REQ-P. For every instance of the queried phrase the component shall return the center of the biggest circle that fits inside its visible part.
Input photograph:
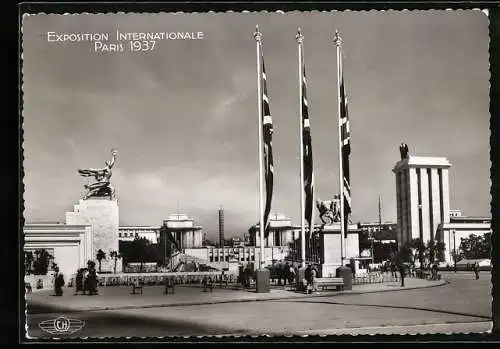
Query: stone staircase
(185, 260)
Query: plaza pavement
(461, 304)
(121, 297)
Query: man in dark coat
(58, 282)
(476, 270)
(402, 272)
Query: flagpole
(300, 38)
(338, 42)
(258, 38)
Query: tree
(404, 255)
(439, 251)
(28, 262)
(476, 246)
(430, 251)
(115, 255)
(100, 256)
(140, 250)
(41, 262)
(418, 248)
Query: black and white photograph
(256, 173)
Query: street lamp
(454, 251)
(372, 238)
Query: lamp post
(372, 238)
(454, 251)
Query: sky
(184, 119)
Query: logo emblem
(61, 325)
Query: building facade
(461, 227)
(178, 232)
(69, 245)
(281, 232)
(129, 233)
(370, 228)
(422, 196)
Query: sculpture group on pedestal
(329, 210)
(403, 150)
(102, 186)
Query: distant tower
(422, 196)
(221, 227)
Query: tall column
(398, 203)
(424, 187)
(414, 222)
(404, 207)
(446, 195)
(270, 238)
(436, 211)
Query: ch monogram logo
(61, 325)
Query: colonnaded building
(423, 205)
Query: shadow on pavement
(99, 324)
(390, 306)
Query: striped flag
(267, 133)
(308, 158)
(346, 152)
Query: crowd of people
(86, 280)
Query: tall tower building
(423, 197)
(221, 227)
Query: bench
(136, 287)
(209, 285)
(326, 282)
(224, 281)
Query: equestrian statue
(329, 210)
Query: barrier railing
(374, 278)
(156, 278)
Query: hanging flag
(267, 134)
(308, 158)
(346, 151)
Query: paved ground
(121, 297)
(463, 305)
(463, 295)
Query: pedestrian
(393, 270)
(402, 273)
(58, 282)
(241, 279)
(291, 275)
(79, 281)
(307, 276)
(246, 276)
(286, 273)
(314, 275)
(476, 270)
(91, 279)
(434, 271)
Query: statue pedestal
(331, 249)
(102, 215)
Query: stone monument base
(329, 270)
(331, 247)
(262, 281)
(102, 215)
